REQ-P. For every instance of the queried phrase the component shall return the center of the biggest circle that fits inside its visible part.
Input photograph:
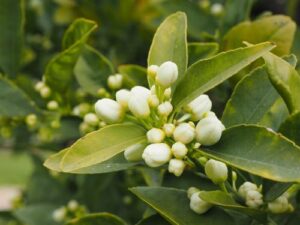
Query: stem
(223, 187)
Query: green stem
(223, 187)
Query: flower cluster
(70, 211)
(170, 138)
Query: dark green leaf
(153, 220)
(259, 151)
(98, 219)
(199, 50)
(206, 74)
(291, 128)
(134, 75)
(276, 190)
(174, 207)
(92, 70)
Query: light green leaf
(133, 75)
(98, 219)
(278, 29)
(101, 145)
(251, 99)
(220, 198)
(12, 19)
(291, 128)
(169, 43)
(59, 70)
(259, 151)
(13, 101)
(174, 207)
(201, 50)
(208, 73)
(92, 70)
(285, 79)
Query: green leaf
(133, 75)
(59, 70)
(259, 151)
(278, 29)
(291, 128)
(285, 79)
(98, 219)
(169, 43)
(208, 73)
(155, 219)
(174, 207)
(92, 70)
(12, 19)
(251, 99)
(101, 145)
(224, 200)
(13, 101)
(199, 50)
(276, 190)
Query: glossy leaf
(278, 29)
(259, 151)
(133, 75)
(155, 219)
(13, 101)
(169, 43)
(285, 79)
(201, 50)
(101, 145)
(92, 70)
(206, 74)
(59, 70)
(291, 128)
(98, 219)
(251, 99)
(12, 20)
(174, 207)
(276, 190)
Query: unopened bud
(31, 120)
(279, 205)
(114, 82)
(184, 133)
(45, 92)
(198, 205)
(167, 74)
(39, 85)
(245, 187)
(169, 129)
(191, 191)
(141, 92)
(153, 101)
(216, 171)
(109, 110)
(167, 93)
(52, 105)
(179, 150)
(165, 108)
(139, 107)
(198, 107)
(73, 205)
(91, 119)
(155, 135)
(254, 199)
(217, 9)
(151, 71)
(176, 166)
(122, 97)
(59, 214)
(156, 155)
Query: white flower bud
(209, 131)
(176, 166)
(39, 85)
(156, 155)
(216, 9)
(254, 199)
(179, 150)
(153, 101)
(155, 135)
(169, 129)
(91, 119)
(134, 152)
(198, 107)
(139, 107)
(279, 205)
(115, 81)
(73, 205)
(151, 71)
(245, 187)
(167, 74)
(109, 110)
(184, 133)
(52, 105)
(216, 171)
(31, 120)
(167, 93)
(198, 205)
(191, 191)
(165, 108)
(122, 97)
(141, 92)
(85, 128)
(45, 92)
(59, 214)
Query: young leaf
(291, 128)
(174, 207)
(59, 70)
(259, 151)
(285, 79)
(12, 19)
(206, 74)
(133, 75)
(278, 29)
(13, 101)
(170, 44)
(201, 50)
(92, 70)
(251, 99)
(101, 145)
(98, 219)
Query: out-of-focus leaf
(133, 75)
(98, 219)
(199, 50)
